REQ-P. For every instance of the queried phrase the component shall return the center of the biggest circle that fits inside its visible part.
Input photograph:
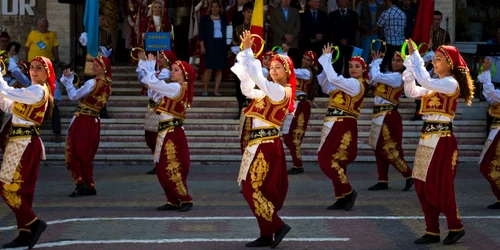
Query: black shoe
(278, 236)
(295, 170)
(22, 240)
(260, 242)
(379, 186)
(89, 191)
(350, 199)
(185, 207)
(427, 239)
(167, 206)
(79, 190)
(453, 237)
(37, 229)
(152, 171)
(495, 205)
(409, 184)
(339, 204)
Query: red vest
(304, 85)
(32, 112)
(269, 111)
(175, 107)
(350, 104)
(98, 96)
(389, 93)
(440, 104)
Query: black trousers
(56, 119)
(181, 41)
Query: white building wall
(59, 21)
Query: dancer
(165, 60)
(263, 167)
(21, 158)
(489, 161)
(295, 125)
(436, 157)
(84, 131)
(339, 139)
(386, 134)
(171, 155)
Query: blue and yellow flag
(91, 26)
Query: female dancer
(85, 129)
(386, 134)
(490, 158)
(339, 138)
(295, 124)
(165, 60)
(171, 155)
(437, 153)
(263, 167)
(24, 150)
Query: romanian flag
(257, 25)
(91, 25)
(425, 17)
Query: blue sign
(156, 41)
(357, 51)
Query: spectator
(285, 22)
(213, 45)
(438, 35)
(393, 21)
(411, 16)
(370, 11)
(4, 40)
(235, 14)
(342, 26)
(156, 19)
(314, 27)
(43, 42)
(17, 47)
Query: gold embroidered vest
(269, 111)
(304, 85)
(389, 93)
(350, 104)
(32, 112)
(98, 96)
(175, 107)
(440, 104)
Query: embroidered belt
(152, 104)
(301, 97)
(263, 133)
(22, 131)
(166, 124)
(338, 112)
(384, 107)
(246, 102)
(86, 111)
(437, 127)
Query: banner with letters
(156, 41)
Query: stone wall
(19, 21)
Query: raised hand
(142, 55)
(486, 64)
(376, 55)
(412, 47)
(67, 72)
(327, 48)
(246, 39)
(151, 57)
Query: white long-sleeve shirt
(302, 74)
(329, 80)
(491, 94)
(8, 95)
(249, 71)
(160, 88)
(393, 79)
(415, 65)
(163, 74)
(77, 94)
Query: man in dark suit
(342, 28)
(285, 22)
(314, 27)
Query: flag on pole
(91, 26)
(257, 24)
(425, 15)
